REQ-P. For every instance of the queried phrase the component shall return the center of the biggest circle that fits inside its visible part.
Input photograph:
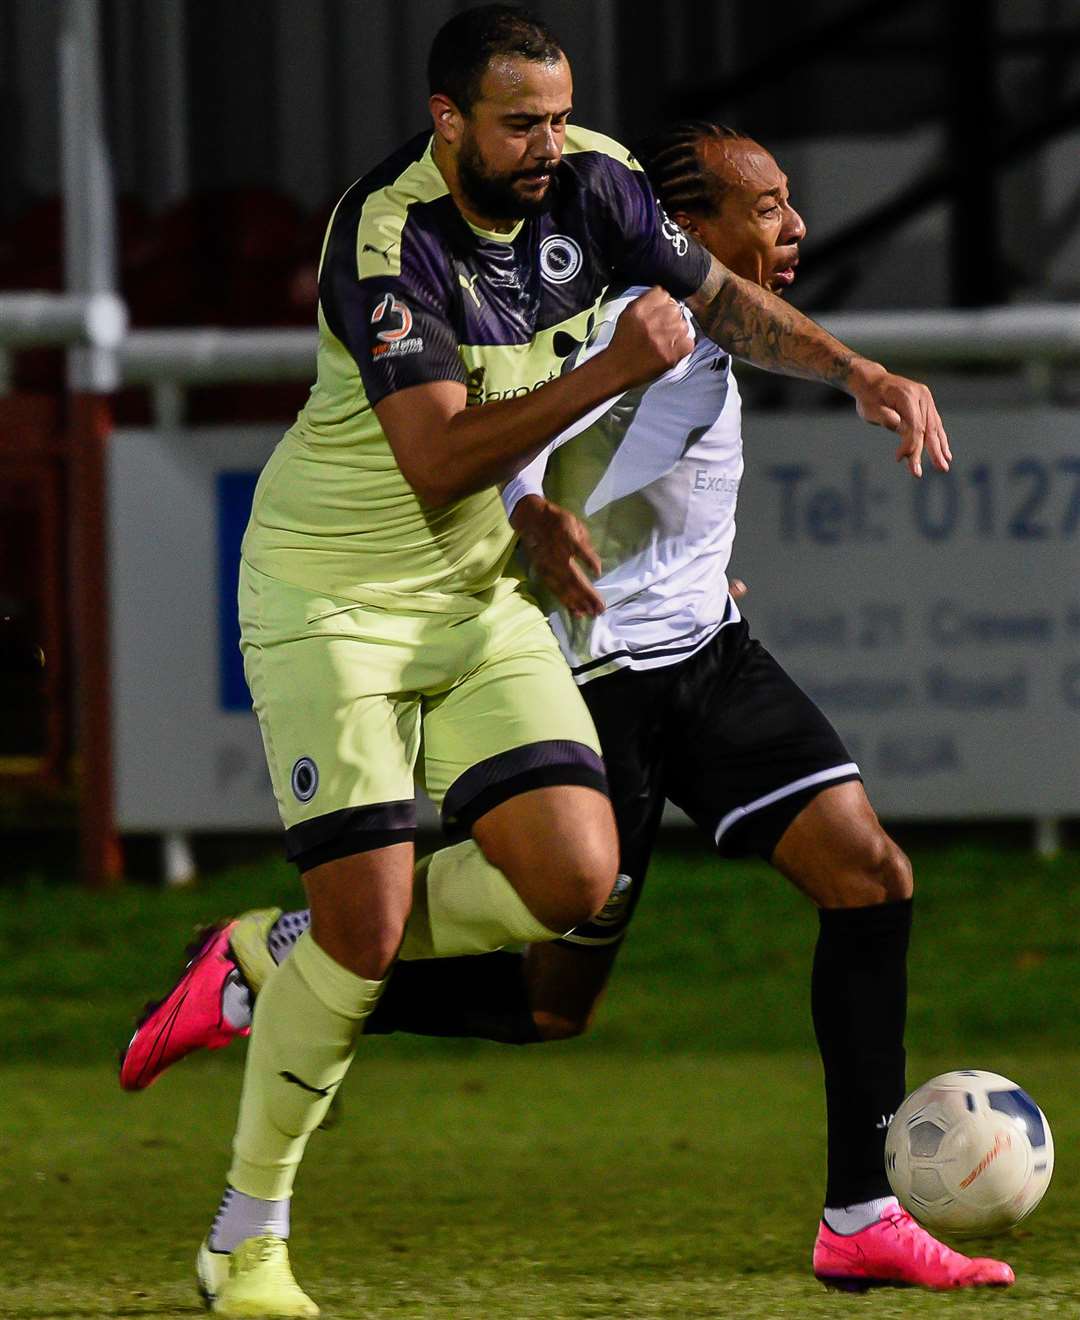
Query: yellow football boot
(254, 1281)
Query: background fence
(937, 623)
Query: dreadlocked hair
(672, 160)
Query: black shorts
(728, 737)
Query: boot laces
(268, 1251)
(926, 1246)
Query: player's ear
(446, 117)
(684, 222)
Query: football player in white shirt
(628, 521)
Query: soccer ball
(969, 1152)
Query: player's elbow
(430, 491)
(434, 481)
(429, 484)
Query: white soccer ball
(969, 1152)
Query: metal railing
(1042, 332)
(1043, 335)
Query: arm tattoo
(755, 325)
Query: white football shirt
(654, 474)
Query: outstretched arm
(752, 323)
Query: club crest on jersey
(394, 337)
(560, 259)
(305, 779)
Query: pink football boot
(190, 1016)
(896, 1252)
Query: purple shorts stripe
(350, 830)
(501, 777)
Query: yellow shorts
(354, 702)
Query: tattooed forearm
(753, 324)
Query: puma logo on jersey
(380, 252)
(470, 286)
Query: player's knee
(885, 874)
(898, 878)
(563, 887)
(582, 885)
(370, 956)
(870, 869)
(366, 949)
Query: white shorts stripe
(796, 786)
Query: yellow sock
(462, 904)
(306, 1023)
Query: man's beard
(494, 196)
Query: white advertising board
(187, 753)
(936, 622)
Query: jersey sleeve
(646, 245)
(397, 325)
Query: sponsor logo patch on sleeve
(673, 233)
(396, 320)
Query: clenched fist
(650, 337)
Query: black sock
(482, 995)
(859, 1002)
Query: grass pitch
(669, 1166)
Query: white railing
(1043, 333)
(216, 357)
(1039, 334)
(1038, 338)
(29, 320)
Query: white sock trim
(849, 1219)
(236, 1001)
(240, 1216)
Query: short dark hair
(672, 159)
(466, 44)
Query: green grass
(670, 1165)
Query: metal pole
(89, 424)
(168, 137)
(178, 860)
(1047, 836)
(90, 268)
(89, 213)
